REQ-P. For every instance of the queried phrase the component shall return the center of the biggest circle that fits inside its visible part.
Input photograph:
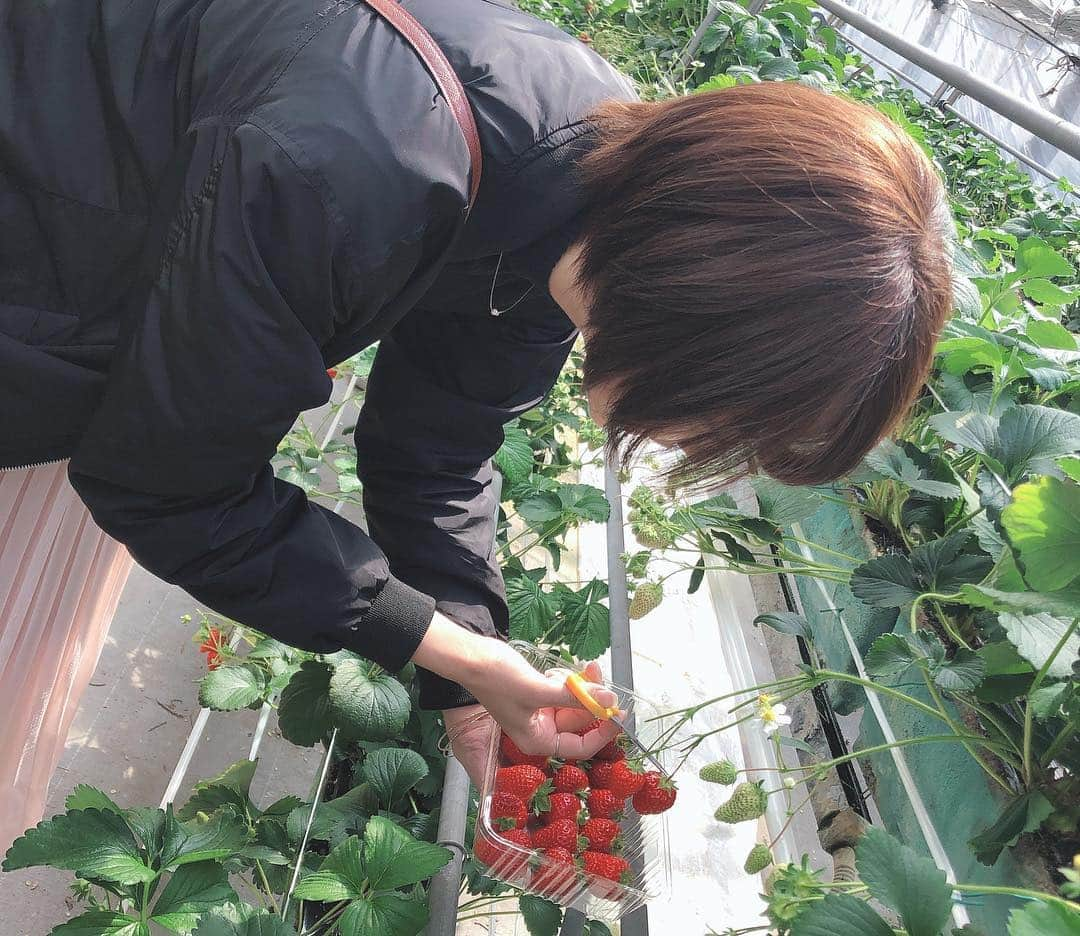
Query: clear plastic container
(645, 838)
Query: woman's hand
(535, 709)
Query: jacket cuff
(437, 693)
(393, 626)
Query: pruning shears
(575, 682)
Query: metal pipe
(947, 106)
(1042, 123)
(446, 885)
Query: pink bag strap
(445, 77)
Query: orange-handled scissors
(580, 691)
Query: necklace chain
(491, 295)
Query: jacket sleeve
(442, 386)
(211, 373)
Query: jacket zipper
(40, 464)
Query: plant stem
(337, 909)
(947, 624)
(826, 675)
(935, 695)
(877, 748)
(1059, 741)
(792, 813)
(1028, 711)
(266, 885)
(1016, 892)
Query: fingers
(580, 747)
(567, 719)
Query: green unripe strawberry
(747, 802)
(652, 535)
(758, 860)
(647, 597)
(723, 772)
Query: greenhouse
(583, 467)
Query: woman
(205, 204)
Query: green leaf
(1036, 635)
(1043, 919)
(890, 461)
(220, 836)
(150, 826)
(515, 456)
(192, 891)
(393, 858)
(596, 928)
(1045, 702)
(778, 69)
(697, 576)
(910, 884)
(531, 608)
(941, 567)
(384, 915)
(1022, 436)
(392, 772)
(1037, 258)
(336, 819)
(96, 843)
(88, 797)
(588, 620)
(782, 503)
(1008, 675)
(243, 921)
(304, 707)
(340, 876)
(1043, 524)
(229, 688)
(101, 923)
(890, 656)
(886, 582)
(230, 788)
(1025, 813)
(963, 673)
(542, 917)
(786, 622)
(1064, 603)
(365, 706)
(1048, 294)
(1071, 467)
(840, 915)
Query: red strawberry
(499, 853)
(556, 871)
(601, 833)
(560, 834)
(507, 811)
(600, 775)
(592, 726)
(603, 804)
(608, 870)
(626, 778)
(522, 780)
(331, 372)
(570, 778)
(611, 751)
(656, 795)
(512, 754)
(212, 647)
(563, 806)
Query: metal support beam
(1055, 130)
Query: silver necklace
(491, 294)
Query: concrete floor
(129, 730)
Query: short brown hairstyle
(768, 267)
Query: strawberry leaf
(192, 891)
(393, 858)
(384, 915)
(304, 707)
(840, 915)
(1042, 919)
(243, 921)
(392, 772)
(340, 877)
(542, 917)
(96, 843)
(366, 704)
(230, 688)
(102, 923)
(909, 883)
(88, 797)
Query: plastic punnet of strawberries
(558, 824)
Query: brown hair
(768, 267)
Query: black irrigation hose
(854, 793)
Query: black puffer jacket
(204, 204)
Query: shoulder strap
(445, 77)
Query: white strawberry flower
(773, 716)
